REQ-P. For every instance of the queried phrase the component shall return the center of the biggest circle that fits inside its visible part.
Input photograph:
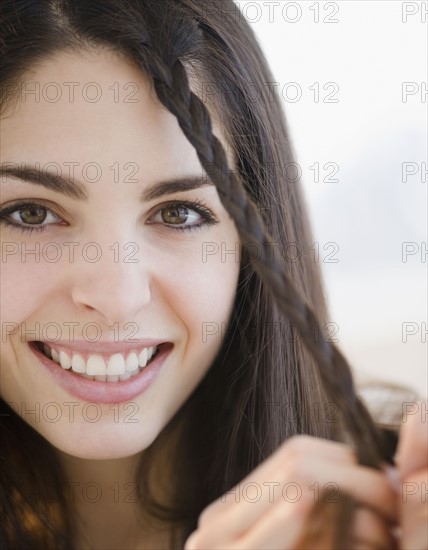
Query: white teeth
(64, 360)
(116, 364)
(96, 366)
(78, 364)
(131, 362)
(115, 369)
(142, 358)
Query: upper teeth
(96, 365)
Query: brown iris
(32, 214)
(175, 214)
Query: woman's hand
(269, 508)
(412, 463)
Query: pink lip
(104, 392)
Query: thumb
(412, 450)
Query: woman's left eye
(184, 216)
(28, 217)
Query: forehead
(95, 104)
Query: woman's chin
(99, 445)
(99, 454)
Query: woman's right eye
(28, 216)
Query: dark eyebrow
(76, 190)
(50, 180)
(175, 185)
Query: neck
(103, 494)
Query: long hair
(277, 374)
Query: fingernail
(394, 478)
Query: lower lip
(103, 392)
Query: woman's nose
(115, 288)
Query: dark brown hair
(276, 355)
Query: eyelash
(16, 208)
(198, 206)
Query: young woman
(167, 379)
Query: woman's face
(110, 275)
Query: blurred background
(352, 76)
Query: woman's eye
(178, 215)
(184, 216)
(28, 217)
(33, 215)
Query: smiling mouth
(116, 367)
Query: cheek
(199, 297)
(201, 292)
(25, 287)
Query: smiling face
(126, 264)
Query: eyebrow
(76, 190)
(175, 185)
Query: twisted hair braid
(172, 87)
(173, 90)
(159, 37)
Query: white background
(372, 49)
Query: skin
(412, 465)
(393, 510)
(278, 520)
(165, 294)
